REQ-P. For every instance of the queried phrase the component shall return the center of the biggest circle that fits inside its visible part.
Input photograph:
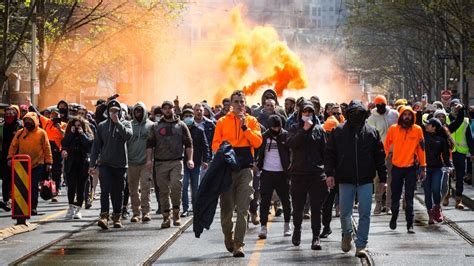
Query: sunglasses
(336, 113)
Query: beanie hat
(274, 121)
(380, 99)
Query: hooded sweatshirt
(65, 118)
(137, 144)
(8, 131)
(383, 122)
(278, 109)
(111, 141)
(408, 143)
(35, 143)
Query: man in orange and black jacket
(408, 148)
(242, 131)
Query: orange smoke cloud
(258, 52)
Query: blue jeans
(112, 182)
(192, 175)
(432, 187)
(346, 202)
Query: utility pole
(33, 54)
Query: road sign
(21, 187)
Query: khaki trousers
(237, 198)
(139, 186)
(169, 178)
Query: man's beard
(168, 116)
(406, 123)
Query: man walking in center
(170, 137)
(407, 141)
(243, 133)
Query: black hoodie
(65, 117)
(278, 109)
(352, 155)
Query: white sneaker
(287, 229)
(263, 232)
(77, 213)
(70, 212)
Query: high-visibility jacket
(459, 137)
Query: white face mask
(305, 118)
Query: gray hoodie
(110, 143)
(137, 144)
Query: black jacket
(283, 149)
(307, 148)
(217, 180)
(78, 147)
(201, 152)
(353, 156)
(437, 151)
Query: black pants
(302, 185)
(112, 182)
(126, 194)
(88, 189)
(279, 182)
(402, 176)
(76, 184)
(56, 168)
(459, 161)
(6, 175)
(327, 207)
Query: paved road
(85, 245)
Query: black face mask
(274, 133)
(471, 115)
(29, 126)
(356, 119)
(381, 108)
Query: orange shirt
(53, 133)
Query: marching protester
(407, 142)
(109, 154)
(242, 131)
(201, 157)
(33, 141)
(138, 175)
(273, 160)
(76, 147)
(290, 104)
(170, 138)
(307, 141)
(382, 117)
(354, 154)
(12, 123)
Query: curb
(17, 229)
(468, 201)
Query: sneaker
(263, 232)
(4, 206)
(326, 232)
(184, 214)
(125, 213)
(378, 208)
(362, 252)
(316, 243)
(54, 199)
(70, 212)
(346, 243)
(77, 213)
(255, 218)
(146, 217)
(410, 229)
(393, 222)
(307, 216)
(278, 212)
(34, 212)
(88, 204)
(135, 218)
(287, 229)
(389, 211)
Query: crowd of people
(301, 159)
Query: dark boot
(393, 222)
(431, 216)
(176, 217)
(166, 220)
(316, 243)
(296, 238)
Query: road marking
(51, 216)
(255, 258)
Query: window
(314, 11)
(319, 11)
